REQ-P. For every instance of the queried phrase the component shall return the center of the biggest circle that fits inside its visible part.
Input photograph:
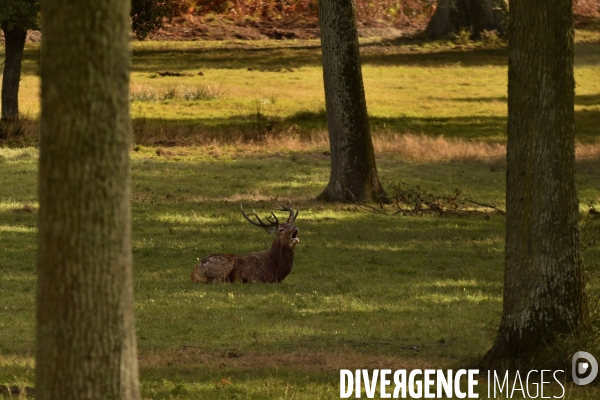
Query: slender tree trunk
(14, 44)
(544, 287)
(353, 169)
(453, 16)
(86, 347)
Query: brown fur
(271, 265)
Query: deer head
(286, 234)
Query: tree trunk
(453, 16)
(86, 347)
(14, 44)
(544, 287)
(353, 169)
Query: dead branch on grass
(407, 200)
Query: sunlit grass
(458, 91)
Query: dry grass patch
(427, 148)
(172, 139)
(587, 150)
(411, 147)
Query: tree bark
(353, 169)
(86, 346)
(453, 16)
(14, 44)
(544, 286)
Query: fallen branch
(415, 201)
(485, 205)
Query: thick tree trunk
(353, 169)
(544, 287)
(86, 347)
(453, 16)
(14, 44)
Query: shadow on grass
(385, 53)
(310, 125)
(587, 100)
(271, 59)
(250, 127)
(380, 54)
(163, 132)
(581, 100)
(171, 57)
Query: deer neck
(281, 258)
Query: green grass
(366, 291)
(453, 89)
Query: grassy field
(367, 290)
(249, 90)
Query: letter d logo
(582, 368)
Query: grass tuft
(199, 93)
(146, 93)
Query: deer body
(268, 266)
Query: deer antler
(273, 223)
(289, 209)
(260, 223)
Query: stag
(271, 265)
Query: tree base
(14, 45)
(553, 352)
(346, 196)
(452, 17)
